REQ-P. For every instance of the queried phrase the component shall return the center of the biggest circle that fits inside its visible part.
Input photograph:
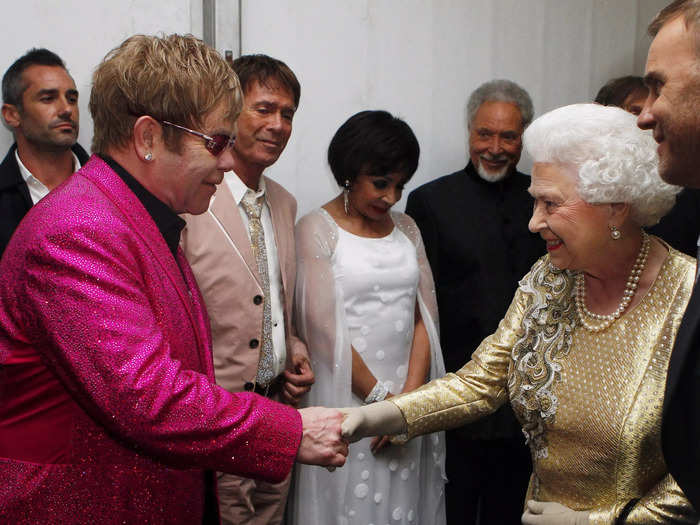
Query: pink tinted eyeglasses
(215, 144)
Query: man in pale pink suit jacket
(108, 408)
(218, 247)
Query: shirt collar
(27, 175)
(238, 187)
(167, 221)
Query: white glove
(381, 418)
(552, 513)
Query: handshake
(327, 432)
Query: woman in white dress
(365, 305)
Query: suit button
(248, 386)
(257, 299)
(254, 343)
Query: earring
(346, 198)
(615, 233)
(148, 156)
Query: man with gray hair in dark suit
(476, 265)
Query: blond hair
(177, 78)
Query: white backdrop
(418, 59)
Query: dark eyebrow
(54, 92)
(275, 105)
(653, 78)
(401, 178)
(42, 92)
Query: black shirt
(167, 221)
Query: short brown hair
(13, 83)
(616, 90)
(177, 78)
(689, 9)
(263, 69)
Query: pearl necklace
(630, 289)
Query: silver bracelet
(378, 393)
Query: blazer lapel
(225, 210)
(10, 177)
(281, 233)
(200, 315)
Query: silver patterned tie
(253, 207)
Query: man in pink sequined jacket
(108, 408)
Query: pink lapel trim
(205, 354)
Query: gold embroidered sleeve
(476, 390)
(665, 503)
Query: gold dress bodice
(590, 403)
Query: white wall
(418, 59)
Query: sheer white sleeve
(433, 449)
(427, 300)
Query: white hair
(615, 161)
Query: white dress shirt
(238, 190)
(37, 189)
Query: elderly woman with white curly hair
(583, 350)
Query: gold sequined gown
(590, 403)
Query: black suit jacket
(681, 226)
(15, 201)
(681, 422)
(479, 247)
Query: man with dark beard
(40, 106)
(476, 266)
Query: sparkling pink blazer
(108, 408)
